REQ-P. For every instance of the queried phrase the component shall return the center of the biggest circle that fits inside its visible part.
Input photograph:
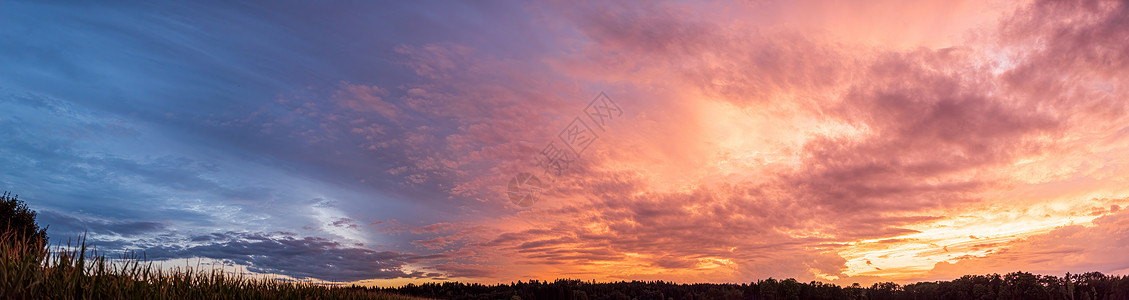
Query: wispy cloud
(803, 139)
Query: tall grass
(29, 269)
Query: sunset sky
(373, 141)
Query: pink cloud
(748, 151)
(1074, 248)
(363, 98)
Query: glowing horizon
(376, 143)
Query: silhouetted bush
(31, 269)
(19, 220)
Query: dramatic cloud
(1071, 247)
(302, 258)
(811, 139)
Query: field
(29, 269)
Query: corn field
(30, 269)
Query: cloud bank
(759, 139)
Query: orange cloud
(748, 151)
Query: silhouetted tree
(1017, 285)
(18, 220)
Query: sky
(381, 142)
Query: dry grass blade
(30, 269)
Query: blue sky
(373, 141)
(141, 123)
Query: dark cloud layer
(298, 257)
(747, 148)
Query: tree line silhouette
(23, 238)
(1016, 285)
